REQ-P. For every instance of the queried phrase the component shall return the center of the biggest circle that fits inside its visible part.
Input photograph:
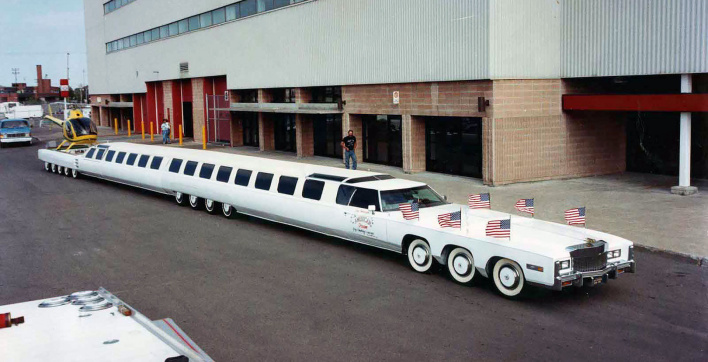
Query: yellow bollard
(142, 127)
(152, 131)
(115, 123)
(180, 134)
(204, 137)
(128, 128)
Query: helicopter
(77, 130)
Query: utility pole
(15, 72)
(67, 81)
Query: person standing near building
(349, 146)
(165, 132)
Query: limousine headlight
(614, 254)
(563, 265)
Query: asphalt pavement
(247, 289)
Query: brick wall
(198, 107)
(421, 99)
(413, 129)
(529, 138)
(266, 138)
(236, 129)
(167, 104)
(304, 136)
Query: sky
(42, 32)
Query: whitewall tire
(420, 257)
(47, 167)
(460, 265)
(74, 173)
(181, 199)
(508, 278)
(195, 202)
(54, 168)
(228, 211)
(211, 206)
(67, 171)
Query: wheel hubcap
(209, 204)
(461, 265)
(508, 277)
(227, 209)
(193, 200)
(420, 255)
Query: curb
(701, 261)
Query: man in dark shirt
(349, 146)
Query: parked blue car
(15, 131)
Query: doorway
(285, 132)
(453, 145)
(188, 126)
(328, 135)
(383, 140)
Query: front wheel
(181, 199)
(228, 211)
(460, 265)
(508, 278)
(420, 257)
(54, 168)
(211, 206)
(195, 202)
(47, 166)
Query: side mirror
(372, 208)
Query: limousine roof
(358, 178)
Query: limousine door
(360, 223)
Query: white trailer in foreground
(90, 326)
(362, 207)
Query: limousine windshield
(424, 195)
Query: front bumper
(591, 278)
(15, 139)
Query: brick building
(20, 92)
(502, 90)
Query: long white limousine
(362, 207)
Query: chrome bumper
(15, 139)
(578, 279)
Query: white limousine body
(362, 207)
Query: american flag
(450, 220)
(409, 210)
(499, 228)
(575, 216)
(525, 205)
(479, 201)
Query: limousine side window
(90, 153)
(206, 171)
(190, 168)
(175, 165)
(156, 162)
(143, 161)
(312, 189)
(100, 153)
(243, 177)
(344, 194)
(364, 197)
(109, 156)
(263, 180)
(131, 159)
(120, 157)
(286, 185)
(224, 173)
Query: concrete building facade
(502, 90)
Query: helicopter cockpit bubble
(83, 126)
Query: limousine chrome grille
(588, 257)
(14, 135)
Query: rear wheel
(195, 202)
(54, 168)
(181, 199)
(211, 206)
(508, 278)
(74, 173)
(460, 265)
(67, 171)
(228, 211)
(419, 256)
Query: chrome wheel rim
(461, 264)
(508, 277)
(420, 255)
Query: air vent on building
(184, 67)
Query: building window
(286, 185)
(312, 189)
(194, 23)
(327, 135)
(109, 156)
(263, 180)
(206, 171)
(248, 7)
(156, 162)
(205, 20)
(453, 145)
(131, 159)
(175, 165)
(190, 168)
(247, 95)
(243, 177)
(224, 174)
(174, 29)
(326, 94)
(249, 121)
(164, 32)
(155, 34)
(284, 132)
(233, 12)
(143, 161)
(183, 26)
(383, 140)
(218, 16)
